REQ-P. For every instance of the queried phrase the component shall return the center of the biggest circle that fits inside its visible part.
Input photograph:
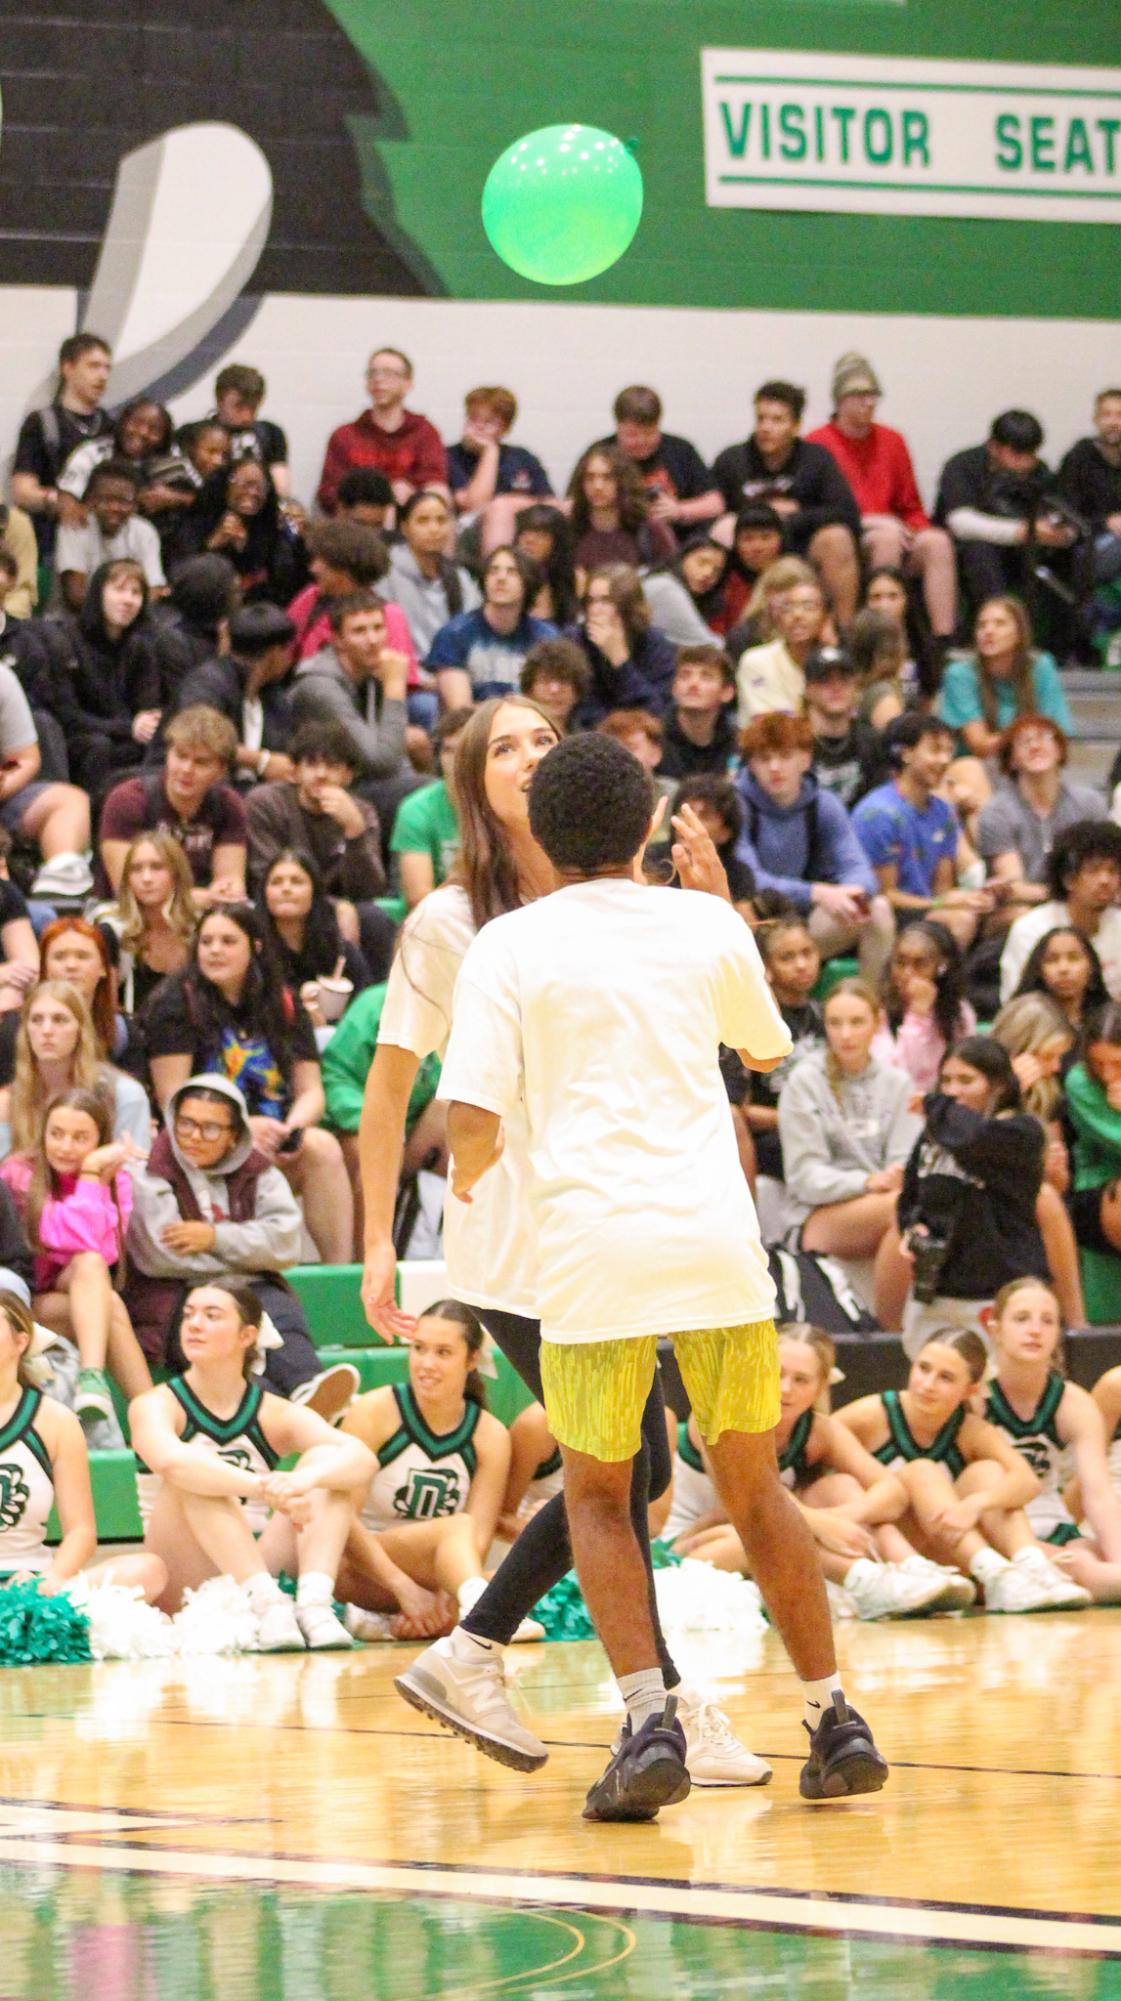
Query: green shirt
(960, 699)
(346, 1062)
(1097, 1130)
(427, 824)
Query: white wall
(945, 378)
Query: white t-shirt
(1027, 931)
(601, 1009)
(85, 549)
(489, 1244)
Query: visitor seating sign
(788, 130)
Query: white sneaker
(529, 1631)
(278, 1629)
(1063, 1594)
(368, 1626)
(887, 1591)
(715, 1755)
(841, 1606)
(957, 1592)
(470, 1698)
(322, 1632)
(66, 876)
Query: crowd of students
(239, 744)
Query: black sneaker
(648, 1771)
(843, 1759)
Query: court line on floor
(773, 1910)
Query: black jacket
(975, 1181)
(219, 683)
(683, 759)
(811, 476)
(1090, 483)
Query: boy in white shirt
(600, 1011)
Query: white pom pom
(696, 1598)
(215, 1619)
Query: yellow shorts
(595, 1391)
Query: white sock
(470, 1647)
(861, 1567)
(470, 1592)
(644, 1694)
(818, 1697)
(315, 1587)
(987, 1566)
(262, 1590)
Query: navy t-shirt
(518, 470)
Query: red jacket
(414, 452)
(879, 470)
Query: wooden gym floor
(218, 1830)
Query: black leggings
(543, 1552)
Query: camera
(929, 1249)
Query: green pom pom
(36, 1628)
(562, 1610)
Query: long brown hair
(101, 1007)
(1021, 677)
(29, 1096)
(631, 497)
(179, 910)
(486, 868)
(42, 1186)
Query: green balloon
(563, 203)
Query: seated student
(877, 648)
(846, 1130)
(360, 682)
(925, 1009)
(74, 1197)
(153, 919)
(557, 677)
(966, 1485)
(757, 542)
(489, 479)
(142, 436)
(57, 1049)
(1042, 1045)
(73, 950)
(641, 733)
(422, 578)
(631, 661)
(47, 1463)
(189, 799)
(1004, 678)
(344, 557)
(848, 753)
(543, 534)
(681, 490)
(612, 518)
(207, 1446)
(346, 1066)
(48, 436)
(441, 1463)
(300, 921)
(536, 1472)
(799, 841)
(717, 806)
(1083, 886)
(425, 835)
(230, 1012)
(205, 444)
(238, 515)
(699, 733)
(804, 484)
(844, 1496)
(912, 837)
(103, 684)
(771, 677)
(112, 531)
(1064, 967)
(319, 811)
(759, 624)
(246, 685)
(399, 442)
(989, 498)
(239, 392)
(365, 496)
(193, 620)
(681, 594)
(885, 592)
(1033, 803)
(1052, 1423)
(207, 1203)
(481, 653)
(19, 563)
(973, 1210)
(793, 967)
(55, 816)
(19, 949)
(1093, 1109)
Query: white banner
(875, 134)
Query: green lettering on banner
(1109, 128)
(1078, 152)
(916, 139)
(844, 115)
(1009, 151)
(879, 149)
(1043, 145)
(765, 115)
(737, 139)
(791, 122)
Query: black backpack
(816, 1289)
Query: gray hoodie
(268, 1243)
(324, 692)
(833, 1140)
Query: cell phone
(292, 1143)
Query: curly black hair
(590, 804)
(1084, 841)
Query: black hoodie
(976, 1180)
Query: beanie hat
(852, 374)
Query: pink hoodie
(918, 1046)
(82, 1216)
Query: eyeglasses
(207, 1129)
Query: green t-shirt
(346, 1062)
(960, 699)
(427, 824)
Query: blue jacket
(644, 681)
(790, 847)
